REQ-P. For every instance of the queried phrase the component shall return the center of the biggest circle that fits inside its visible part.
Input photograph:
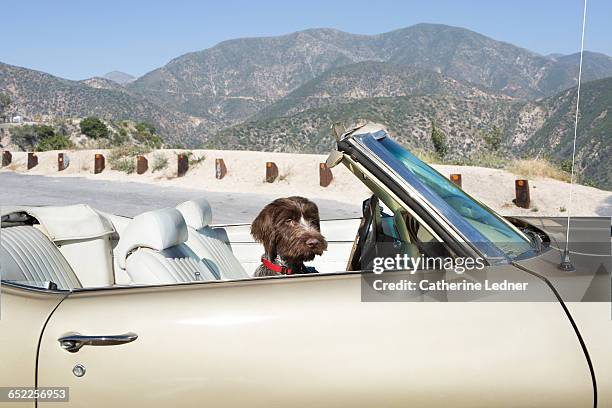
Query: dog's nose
(312, 242)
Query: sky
(81, 39)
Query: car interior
(53, 247)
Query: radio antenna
(566, 263)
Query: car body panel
(310, 341)
(23, 317)
(594, 320)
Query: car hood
(590, 253)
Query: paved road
(129, 198)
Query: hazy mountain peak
(119, 77)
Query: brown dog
(290, 231)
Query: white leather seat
(210, 244)
(152, 251)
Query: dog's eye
(288, 221)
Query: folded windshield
(478, 224)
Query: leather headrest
(159, 230)
(197, 213)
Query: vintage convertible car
(162, 309)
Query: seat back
(210, 244)
(29, 257)
(152, 251)
(80, 233)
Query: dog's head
(290, 227)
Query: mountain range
(281, 93)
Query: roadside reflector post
(7, 158)
(142, 164)
(523, 198)
(456, 179)
(325, 175)
(220, 169)
(271, 172)
(99, 163)
(183, 165)
(61, 164)
(32, 160)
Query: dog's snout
(313, 242)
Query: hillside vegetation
(489, 101)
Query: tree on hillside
(145, 133)
(5, 101)
(146, 127)
(438, 139)
(493, 139)
(94, 128)
(44, 131)
(27, 137)
(55, 142)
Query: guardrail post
(7, 158)
(271, 172)
(99, 163)
(456, 179)
(183, 165)
(220, 169)
(62, 161)
(325, 175)
(32, 160)
(142, 164)
(523, 198)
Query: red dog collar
(276, 268)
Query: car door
(23, 314)
(310, 341)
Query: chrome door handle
(74, 341)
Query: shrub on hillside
(120, 137)
(146, 134)
(5, 102)
(493, 139)
(566, 165)
(27, 137)
(145, 127)
(194, 160)
(531, 168)
(55, 142)
(124, 164)
(160, 162)
(44, 131)
(123, 158)
(438, 139)
(94, 128)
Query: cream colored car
(161, 310)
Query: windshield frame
(370, 144)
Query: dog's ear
(262, 229)
(262, 225)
